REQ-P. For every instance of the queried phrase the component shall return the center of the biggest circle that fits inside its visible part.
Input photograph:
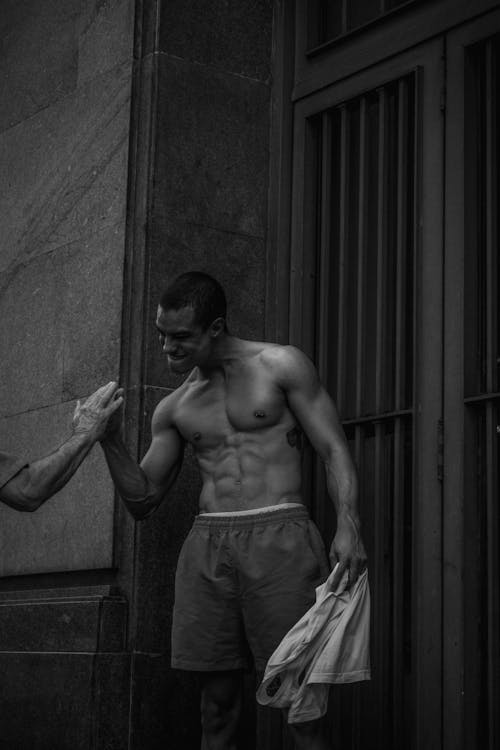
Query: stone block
(64, 309)
(87, 624)
(235, 37)
(236, 261)
(31, 344)
(212, 152)
(64, 172)
(62, 701)
(74, 529)
(39, 59)
(92, 287)
(105, 36)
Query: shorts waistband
(258, 516)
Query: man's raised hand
(92, 416)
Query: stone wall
(65, 74)
(65, 87)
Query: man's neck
(226, 349)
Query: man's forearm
(42, 478)
(132, 484)
(347, 546)
(342, 486)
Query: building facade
(335, 166)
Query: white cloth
(329, 644)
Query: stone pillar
(204, 105)
(65, 83)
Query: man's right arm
(142, 488)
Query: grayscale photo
(249, 375)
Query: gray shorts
(242, 582)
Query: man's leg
(220, 709)
(308, 736)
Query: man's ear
(217, 327)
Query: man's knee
(220, 704)
(216, 713)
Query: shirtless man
(26, 486)
(249, 567)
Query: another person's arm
(143, 487)
(317, 414)
(39, 480)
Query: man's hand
(93, 415)
(348, 550)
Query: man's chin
(179, 365)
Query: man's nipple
(197, 436)
(259, 414)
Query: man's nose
(168, 346)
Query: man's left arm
(318, 417)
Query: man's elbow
(137, 512)
(142, 508)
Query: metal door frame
(454, 533)
(427, 60)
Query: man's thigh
(207, 628)
(285, 565)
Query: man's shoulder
(283, 356)
(165, 411)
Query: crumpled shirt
(330, 644)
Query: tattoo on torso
(294, 437)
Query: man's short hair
(199, 291)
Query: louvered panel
(482, 348)
(365, 161)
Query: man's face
(184, 342)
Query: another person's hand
(94, 414)
(348, 550)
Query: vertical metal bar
(491, 218)
(401, 249)
(343, 224)
(326, 209)
(399, 381)
(360, 322)
(324, 277)
(398, 578)
(418, 134)
(381, 255)
(380, 624)
(492, 542)
(493, 660)
(358, 450)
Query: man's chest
(212, 411)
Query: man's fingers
(339, 573)
(114, 406)
(354, 572)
